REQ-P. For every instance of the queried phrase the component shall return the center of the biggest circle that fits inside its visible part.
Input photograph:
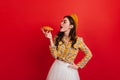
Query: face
(65, 25)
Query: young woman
(64, 48)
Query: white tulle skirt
(60, 71)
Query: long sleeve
(53, 50)
(88, 55)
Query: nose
(61, 23)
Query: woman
(65, 48)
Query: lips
(61, 27)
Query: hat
(75, 18)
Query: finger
(43, 30)
(72, 62)
(70, 65)
(47, 31)
(50, 32)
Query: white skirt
(60, 71)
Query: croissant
(47, 28)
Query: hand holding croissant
(47, 31)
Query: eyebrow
(65, 20)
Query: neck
(66, 35)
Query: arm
(52, 47)
(87, 52)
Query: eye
(64, 21)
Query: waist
(63, 60)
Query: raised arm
(52, 47)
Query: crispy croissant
(47, 28)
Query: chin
(61, 31)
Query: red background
(24, 52)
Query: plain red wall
(24, 51)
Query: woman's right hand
(47, 34)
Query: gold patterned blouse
(68, 54)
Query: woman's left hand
(73, 66)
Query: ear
(71, 26)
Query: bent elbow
(90, 55)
